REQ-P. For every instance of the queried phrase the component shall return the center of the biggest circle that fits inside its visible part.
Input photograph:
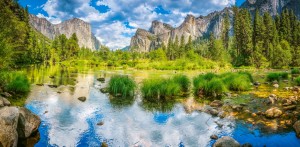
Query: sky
(114, 22)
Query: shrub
(215, 86)
(295, 71)
(237, 81)
(277, 76)
(121, 86)
(15, 82)
(183, 81)
(160, 88)
(297, 81)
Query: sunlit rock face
(78, 26)
(160, 33)
(274, 7)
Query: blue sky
(114, 22)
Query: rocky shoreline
(18, 126)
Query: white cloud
(110, 26)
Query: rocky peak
(69, 27)
(158, 27)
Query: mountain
(274, 7)
(147, 40)
(159, 33)
(78, 26)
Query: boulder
(28, 123)
(273, 112)
(104, 90)
(6, 102)
(216, 103)
(226, 141)
(296, 127)
(291, 107)
(6, 94)
(83, 98)
(210, 110)
(8, 123)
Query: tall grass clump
(277, 76)
(120, 85)
(14, 82)
(183, 81)
(297, 81)
(295, 71)
(237, 81)
(208, 85)
(165, 89)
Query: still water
(66, 121)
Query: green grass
(295, 71)
(183, 81)
(14, 82)
(297, 81)
(277, 76)
(213, 85)
(166, 89)
(121, 86)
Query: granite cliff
(78, 26)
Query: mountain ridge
(68, 27)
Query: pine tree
(176, 47)
(225, 32)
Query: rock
(275, 82)
(6, 94)
(51, 77)
(287, 88)
(273, 112)
(296, 127)
(214, 137)
(28, 123)
(276, 85)
(247, 145)
(83, 98)
(45, 112)
(256, 83)
(253, 115)
(100, 123)
(102, 80)
(237, 107)
(211, 110)
(6, 102)
(39, 84)
(104, 90)
(296, 89)
(1, 103)
(226, 141)
(286, 81)
(104, 144)
(216, 103)
(292, 107)
(53, 86)
(9, 117)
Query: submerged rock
(226, 141)
(216, 103)
(296, 127)
(210, 110)
(104, 90)
(214, 137)
(53, 86)
(273, 112)
(83, 98)
(101, 123)
(101, 80)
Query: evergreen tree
(225, 32)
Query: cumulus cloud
(110, 26)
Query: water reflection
(129, 122)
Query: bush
(215, 86)
(15, 82)
(121, 86)
(183, 81)
(297, 81)
(295, 71)
(160, 88)
(237, 81)
(277, 76)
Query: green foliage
(214, 85)
(121, 86)
(277, 76)
(295, 71)
(165, 89)
(183, 81)
(15, 82)
(297, 81)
